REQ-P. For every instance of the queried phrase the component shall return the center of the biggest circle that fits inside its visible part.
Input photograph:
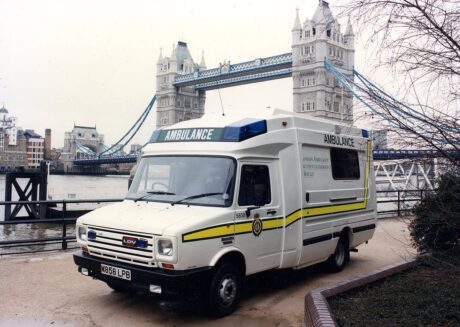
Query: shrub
(436, 226)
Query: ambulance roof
(225, 128)
(262, 134)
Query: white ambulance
(214, 201)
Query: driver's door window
(254, 186)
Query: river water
(69, 187)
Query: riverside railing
(58, 227)
(402, 201)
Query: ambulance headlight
(81, 233)
(165, 247)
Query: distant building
(81, 142)
(55, 159)
(12, 156)
(48, 144)
(177, 104)
(35, 148)
(19, 148)
(8, 127)
(135, 148)
(315, 90)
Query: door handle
(271, 212)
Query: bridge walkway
(46, 290)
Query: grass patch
(428, 295)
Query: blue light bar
(155, 135)
(365, 133)
(91, 235)
(244, 129)
(141, 243)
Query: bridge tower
(175, 104)
(315, 91)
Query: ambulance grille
(108, 244)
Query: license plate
(116, 272)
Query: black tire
(224, 291)
(339, 258)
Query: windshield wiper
(196, 196)
(149, 193)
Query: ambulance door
(317, 189)
(258, 219)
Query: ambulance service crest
(257, 225)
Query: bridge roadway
(46, 290)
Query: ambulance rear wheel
(338, 259)
(225, 290)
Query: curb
(317, 310)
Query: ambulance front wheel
(338, 259)
(225, 289)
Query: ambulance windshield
(189, 180)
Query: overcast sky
(93, 62)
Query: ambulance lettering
(339, 140)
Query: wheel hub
(227, 290)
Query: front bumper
(174, 283)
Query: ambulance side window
(254, 186)
(345, 164)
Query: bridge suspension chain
(392, 110)
(124, 140)
(84, 149)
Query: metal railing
(403, 201)
(62, 224)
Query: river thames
(69, 187)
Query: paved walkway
(46, 290)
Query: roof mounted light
(244, 129)
(155, 135)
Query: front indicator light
(167, 265)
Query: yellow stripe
(293, 217)
(243, 228)
(210, 232)
(230, 229)
(271, 224)
(366, 176)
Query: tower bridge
(321, 65)
(257, 70)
